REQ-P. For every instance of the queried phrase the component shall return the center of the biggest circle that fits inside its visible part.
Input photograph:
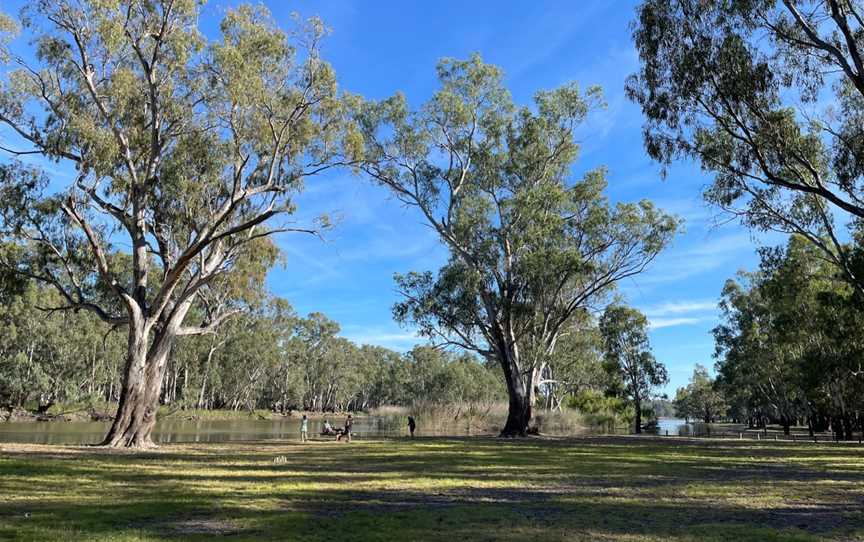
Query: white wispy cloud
(319, 269)
(680, 313)
(698, 258)
(391, 247)
(659, 323)
(681, 307)
(694, 210)
(395, 340)
(556, 38)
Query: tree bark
(520, 391)
(136, 413)
(519, 411)
(146, 363)
(638, 424)
(210, 352)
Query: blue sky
(380, 47)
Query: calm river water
(180, 430)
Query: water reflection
(170, 430)
(180, 430)
(678, 427)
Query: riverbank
(175, 425)
(604, 488)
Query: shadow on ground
(436, 489)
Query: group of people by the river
(341, 432)
(328, 430)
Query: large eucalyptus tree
(185, 152)
(529, 246)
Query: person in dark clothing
(411, 425)
(349, 423)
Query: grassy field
(457, 490)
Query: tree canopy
(185, 150)
(789, 345)
(530, 248)
(628, 357)
(768, 96)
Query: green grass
(454, 490)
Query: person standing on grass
(349, 423)
(411, 425)
(304, 429)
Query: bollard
(740, 435)
(667, 432)
(758, 436)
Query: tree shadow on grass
(409, 515)
(504, 490)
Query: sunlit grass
(436, 489)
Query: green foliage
(700, 399)
(432, 375)
(530, 247)
(266, 358)
(634, 371)
(627, 352)
(187, 152)
(790, 342)
(663, 408)
(576, 364)
(601, 409)
(54, 357)
(742, 88)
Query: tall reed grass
(488, 418)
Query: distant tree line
(790, 345)
(268, 357)
(701, 400)
(788, 348)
